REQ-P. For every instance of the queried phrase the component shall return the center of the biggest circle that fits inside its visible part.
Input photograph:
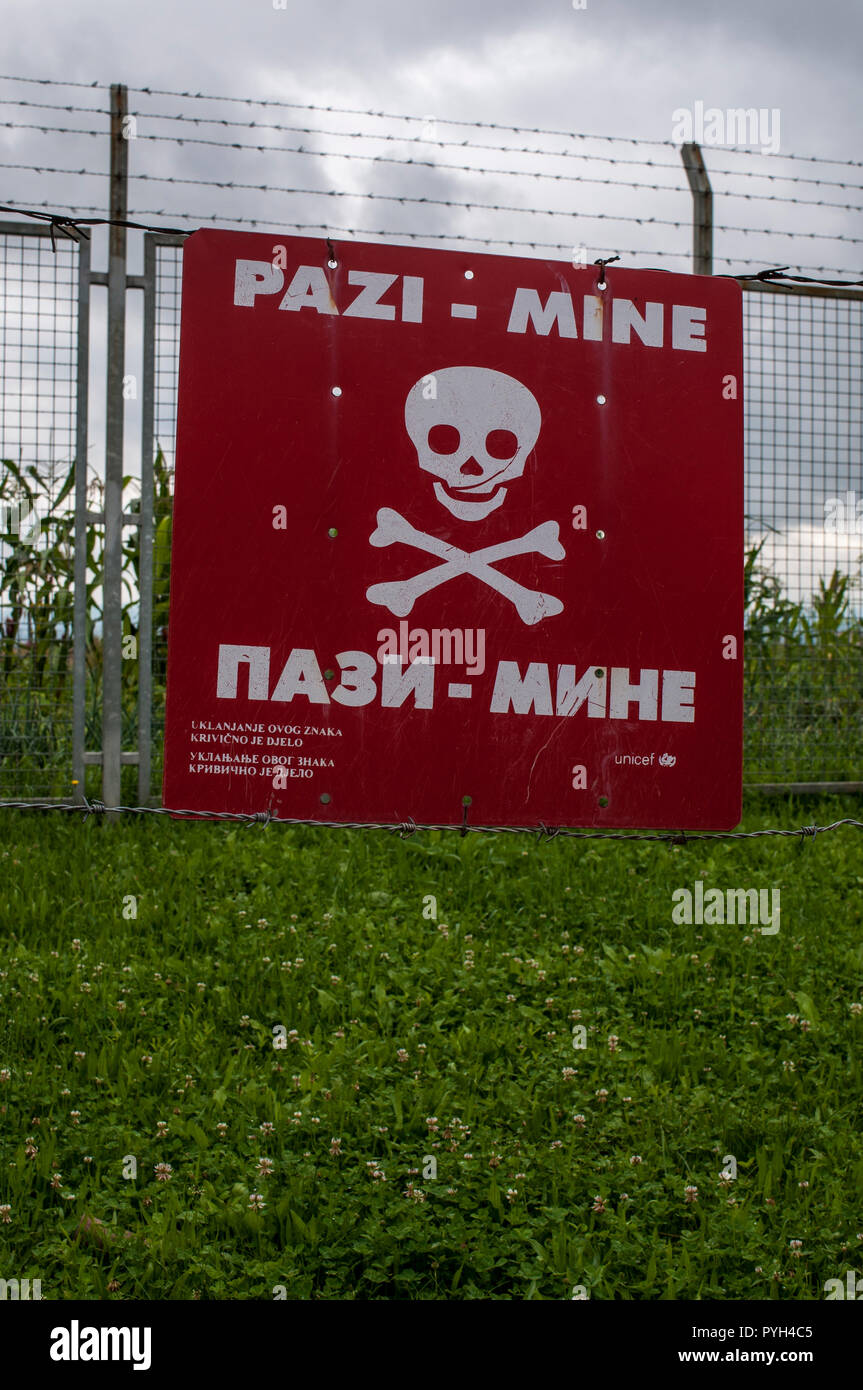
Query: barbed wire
(69, 226)
(302, 150)
(779, 273)
(716, 171)
(495, 241)
(408, 827)
(233, 184)
(52, 169)
(498, 207)
(473, 125)
(396, 116)
(460, 168)
(524, 149)
(276, 188)
(56, 106)
(54, 82)
(424, 120)
(341, 134)
(494, 207)
(66, 224)
(50, 129)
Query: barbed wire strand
(678, 224)
(715, 170)
(473, 205)
(301, 149)
(473, 125)
(395, 116)
(447, 121)
(429, 164)
(69, 107)
(678, 188)
(531, 150)
(409, 826)
(54, 82)
(67, 225)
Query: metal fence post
(702, 209)
(80, 615)
(161, 325)
(145, 621)
(112, 632)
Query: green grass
(240, 930)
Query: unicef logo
(667, 760)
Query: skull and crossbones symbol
(473, 429)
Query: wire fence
(405, 829)
(533, 189)
(39, 429)
(804, 451)
(375, 175)
(168, 284)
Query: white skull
(473, 429)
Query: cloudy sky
(467, 71)
(615, 67)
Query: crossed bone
(400, 595)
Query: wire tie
(602, 262)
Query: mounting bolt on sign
(457, 539)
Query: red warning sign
(455, 536)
